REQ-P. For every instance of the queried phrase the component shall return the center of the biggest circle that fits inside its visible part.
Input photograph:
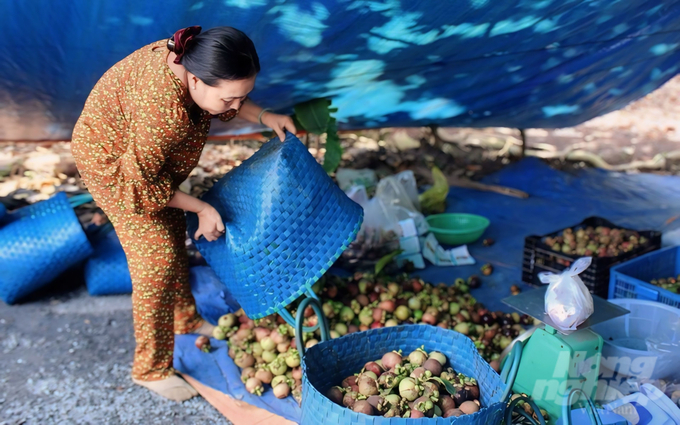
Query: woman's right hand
(210, 224)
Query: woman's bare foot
(173, 388)
(205, 329)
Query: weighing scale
(553, 362)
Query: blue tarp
(515, 63)
(557, 200)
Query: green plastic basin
(457, 229)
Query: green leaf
(433, 200)
(386, 260)
(313, 115)
(333, 156)
(449, 387)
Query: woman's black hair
(221, 53)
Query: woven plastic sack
(37, 244)
(106, 271)
(286, 224)
(328, 363)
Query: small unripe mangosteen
(469, 407)
(433, 366)
(349, 399)
(246, 373)
(408, 390)
(462, 395)
(388, 306)
(431, 390)
(391, 323)
(453, 413)
(375, 368)
(474, 281)
(363, 300)
(462, 328)
(429, 318)
(402, 313)
(244, 359)
(378, 403)
(391, 359)
(264, 375)
(203, 344)
(336, 394)
(254, 386)
(367, 385)
(227, 321)
(421, 374)
(414, 303)
(349, 381)
(281, 391)
(346, 314)
(363, 406)
(417, 357)
(447, 403)
(425, 405)
(474, 391)
(495, 365)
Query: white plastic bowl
(625, 347)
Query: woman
(140, 134)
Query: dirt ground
(65, 357)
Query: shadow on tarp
(557, 200)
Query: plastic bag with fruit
(567, 300)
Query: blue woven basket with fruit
(286, 224)
(418, 382)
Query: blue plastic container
(631, 279)
(328, 363)
(286, 224)
(37, 243)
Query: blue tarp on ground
(557, 200)
(514, 63)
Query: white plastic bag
(567, 300)
(398, 191)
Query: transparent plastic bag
(347, 178)
(567, 300)
(665, 343)
(399, 190)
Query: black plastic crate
(539, 257)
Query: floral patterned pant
(162, 304)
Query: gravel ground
(66, 359)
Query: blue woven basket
(106, 271)
(287, 222)
(328, 363)
(39, 242)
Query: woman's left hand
(279, 123)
